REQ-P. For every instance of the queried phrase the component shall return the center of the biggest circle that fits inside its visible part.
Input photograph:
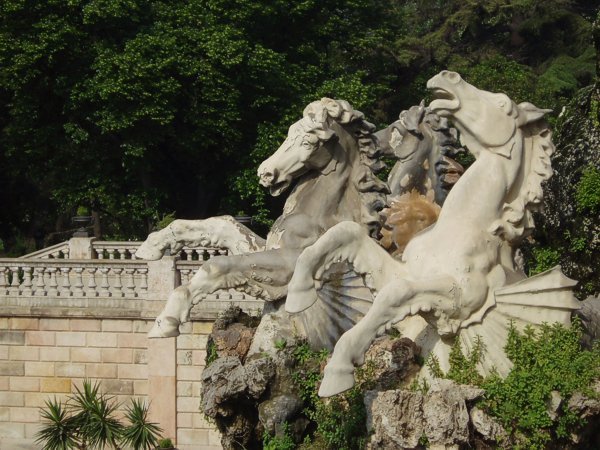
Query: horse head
(424, 144)
(485, 119)
(306, 145)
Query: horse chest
(436, 252)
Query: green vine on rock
(547, 362)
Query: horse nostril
(267, 176)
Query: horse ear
(528, 113)
(412, 118)
(316, 111)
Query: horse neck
(482, 191)
(324, 196)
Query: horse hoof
(300, 299)
(335, 382)
(165, 328)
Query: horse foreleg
(395, 301)
(179, 304)
(218, 232)
(346, 241)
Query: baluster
(111, 253)
(130, 286)
(121, 253)
(143, 282)
(14, 282)
(39, 282)
(185, 276)
(100, 253)
(52, 284)
(65, 287)
(209, 253)
(117, 290)
(27, 283)
(104, 285)
(66, 253)
(91, 287)
(78, 285)
(3, 281)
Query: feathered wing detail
(343, 301)
(543, 298)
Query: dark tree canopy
(136, 109)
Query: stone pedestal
(162, 384)
(81, 248)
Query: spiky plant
(58, 430)
(94, 416)
(140, 433)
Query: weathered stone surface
(486, 426)
(233, 341)
(564, 223)
(402, 419)
(393, 362)
(395, 418)
(588, 409)
(590, 319)
(258, 373)
(278, 410)
(222, 380)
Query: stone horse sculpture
(459, 274)
(424, 144)
(332, 153)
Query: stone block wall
(46, 357)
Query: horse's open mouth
(277, 188)
(443, 100)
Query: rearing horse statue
(459, 274)
(331, 152)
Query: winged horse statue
(459, 274)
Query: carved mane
(372, 191)
(517, 222)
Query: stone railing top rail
(50, 252)
(36, 262)
(113, 250)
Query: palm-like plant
(58, 428)
(88, 422)
(95, 417)
(140, 433)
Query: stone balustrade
(89, 273)
(114, 249)
(57, 251)
(120, 250)
(73, 278)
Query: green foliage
(280, 344)
(165, 443)
(340, 421)
(545, 361)
(138, 109)
(550, 359)
(211, 352)
(463, 368)
(284, 442)
(140, 433)
(545, 258)
(57, 430)
(587, 190)
(89, 421)
(165, 220)
(94, 416)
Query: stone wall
(46, 357)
